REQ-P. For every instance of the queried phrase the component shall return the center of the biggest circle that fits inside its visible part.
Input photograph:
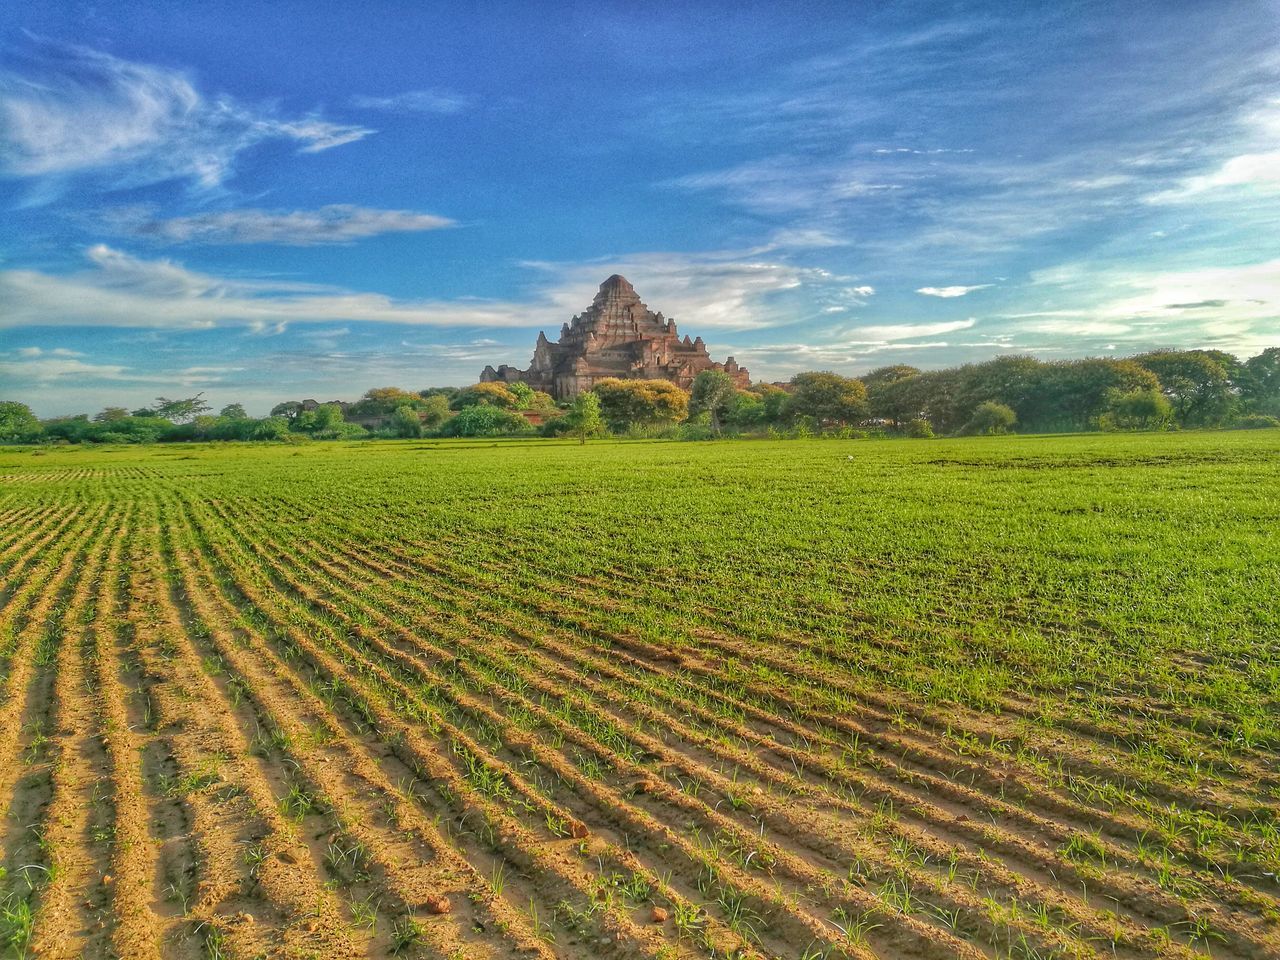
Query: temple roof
(617, 287)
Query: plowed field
(979, 698)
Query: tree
(713, 392)
(181, 411)
(487, 394)
(434, 410)
(584, 416)
(447, 392)
(641, 402)
(991, 418)
(271, 428)
(883, 376)
(1260, 381)
(405, 422)
(1196, 383)
(1142, 409)
(1074, 394)
(234, 411)
(328, 417)
(384, 401)
(828, 397)
(290, 410)
(110, 413)
(17, 422)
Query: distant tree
(713, 392)
(446, 392)
(624, 403)
(584, 416)
(384, 401)
(110, 413)
(233, 411)
(405, 422)
(883, 376)
(143, 412)
(17, 422)
(1260, 382)
(328, 416)
(1197, 383)
(991, 418)
(181, 411)
(1142, 409)
(270, 428)
(746, 411)
(773, 402)
(523, 394)
(486, 394)
(434, 410)
(1074, 394)
(290, 410)
(826, 396)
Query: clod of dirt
(438, 904)
(108, 880)
(644, 786)
(287, 857)
(658, 915)
(579, 830)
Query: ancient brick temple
(617, 336)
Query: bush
(405, 423)
(1256, 421)
(555, 427)
(484, 421)
(991, 418)
(919, 429)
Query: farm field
(997, 697)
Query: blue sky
(283, 200)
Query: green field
(983, 697)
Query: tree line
(1158, 390)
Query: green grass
(1094, 613)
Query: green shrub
(1256, 421)
(919, 429)
(484, 421)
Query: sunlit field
(1006, 697)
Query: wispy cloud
(1235, 308)
(414, 101)
(1255, 164)
(75, 111)
(949, 292)
(333, 224)
(118, 289)
(56, 366)
(732, 290)
(892, 332)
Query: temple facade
(617, 336)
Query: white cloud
(948, 292)
(40, 352)
(1260, 170)
(727, 290)
(336, 223)
(891, 332)
(77, 111)
(122, 290)
(1257, 165)
(414, 101)
(1234, 308)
